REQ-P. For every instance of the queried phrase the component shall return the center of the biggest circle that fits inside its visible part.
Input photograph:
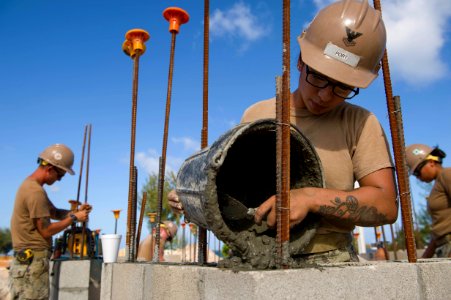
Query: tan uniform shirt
(349, 141)
(439, 204)
(31, 203)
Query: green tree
(5, 240)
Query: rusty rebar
(283, 148)
(132, 150)
(384, 240)
(202, 241)
(133, 214)
(397, 134)
(140, 223)
(156, 253)
(83, 231)
(78, 190)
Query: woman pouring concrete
(340, 52)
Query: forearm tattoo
(350, 211)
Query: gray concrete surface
(75, 279)
(371, 280)
(426, 279)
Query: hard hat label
(340, 54)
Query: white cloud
(238, 22)
(188, 143)
(149, 161)
(415, 37)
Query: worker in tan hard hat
(31, 226)
(168, 230)
(425, 163)
(340, 53)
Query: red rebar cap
(176, 17)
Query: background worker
(31, 228)
(146, 249)
(341, 52)
(425, 163)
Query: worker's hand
(86, 207)
(82, 215)
(174, 202)
(299, 207)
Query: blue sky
(62, 67)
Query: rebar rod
(283, 138)
(156, 256)
(202, 241)
(132, 150)
(384, 239)
(394, 244)
(141, 216)
(83, 231)
(78, 190)
(133, 214)
(399, 154)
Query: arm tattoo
(363, 215)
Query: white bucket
(110, 247)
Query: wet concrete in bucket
(242, 164)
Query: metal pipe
(399, 152)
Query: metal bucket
(242, 164)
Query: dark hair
(439, 153)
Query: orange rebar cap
(176, 17)
(134, 42)
(152, 217)
(116, 213)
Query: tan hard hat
(60, 156)
(416, 154)
(172, 228)
(345, 41)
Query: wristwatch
(74, 218)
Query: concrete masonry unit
(426, 279)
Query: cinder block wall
(428, 279)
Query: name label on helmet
(340, 54)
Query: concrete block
(435, 278)
(75, 279)
(372, 280)
(127, 281)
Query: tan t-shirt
(31, 203)
(439, 204)
(349, 141)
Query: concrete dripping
(242, 164)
